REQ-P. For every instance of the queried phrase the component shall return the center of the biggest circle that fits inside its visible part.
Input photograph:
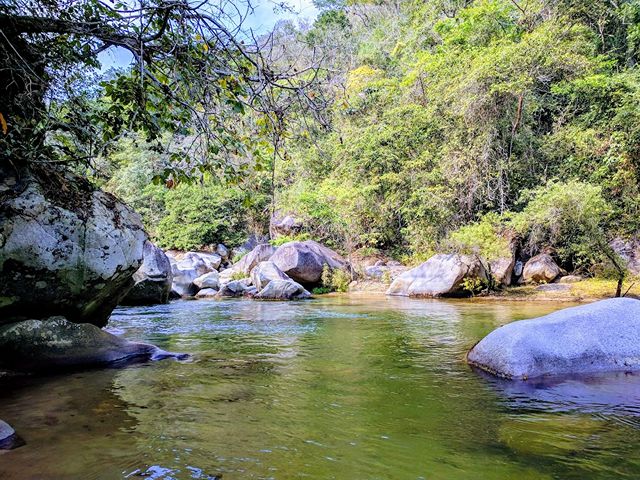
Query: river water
(342, 387)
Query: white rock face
(208, 280)
(440, 275)
(602, 336)
(265, 272)
(70, 253)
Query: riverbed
(340, 387)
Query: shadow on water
(335, 388)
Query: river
(341, 387)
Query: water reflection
(343, 388)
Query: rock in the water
(283, 290)
(304, 261)
(208, 280)
(183, 279)
(36, 345)
(235, 288)
(153, 279)
(599, 337)
(441, 275)
(207, 293)
(265, 272)
(260, 253)
(6, 430)
(540, 269)
(65, 248)
(377, 272)
(9, 439)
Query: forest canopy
(396, 126)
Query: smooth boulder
(260, 253)
(208, 280)
(265, 272)
(235, 288)
(304, 261)
(207, 293)
(441, 275)
(9, 439)
(152, 280)
(283, 290)
(36, 345)
(540, 269)
(66, 248)
(598, 337)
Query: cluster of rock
(266, 272)
(454, 274)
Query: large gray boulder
(602, 336)
(152, 280)
(304, 261)
(283, 290)
(260, 253)
(36, 345)
(441, 275)
(9, 439)
(540, 269)
(65, 248)
(235, 288)
(264, 272)
(208, 280)
(182, 285)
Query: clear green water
(337, 388)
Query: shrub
(485, 237)
(567, 216)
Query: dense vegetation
(442, 124)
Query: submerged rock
(602, 336)
(65, 248)
(441, 275)
(152, 280)
(37, 345)
(283, 290)
(540, 269)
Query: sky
(264, 17)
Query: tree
(194, 70)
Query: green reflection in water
(342, 387)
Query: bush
(202, 215)
(569, 217)
(485, 237)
